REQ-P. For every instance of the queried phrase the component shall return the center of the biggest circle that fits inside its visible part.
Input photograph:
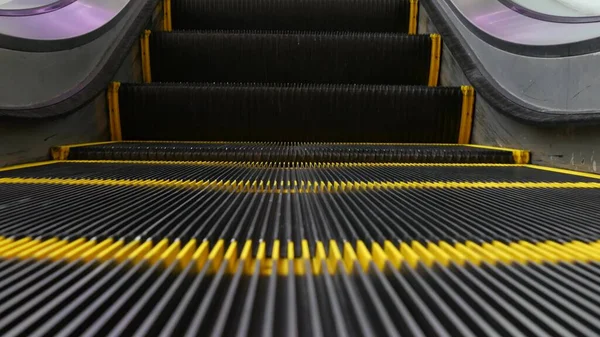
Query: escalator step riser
(292, 174)
(290, 57)
(313, 15)
(92, 210)
(346, 113)
(270, 152)
(154, 298)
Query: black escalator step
(290, 152)
(156, 297)
(281, 57)
(253, 112)
(314, 15)
(295, 172)
(405, 214)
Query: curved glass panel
(25, 4)
(559, 9)
(572, 8)
(30, 7)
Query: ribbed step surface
(276, 173)
(129, 210)
(155, 298)
(316, 15)
(339, 113)
(290, 152)
(290, 57)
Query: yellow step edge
(434, 64)
(228, 256)
(267, 165)
(112, 95)
(22, 166)
(185, 255)
(14, 244)
(37, 248)
(466, 119)
(246, 258)
(321, 188)
(145, 56)
(519, 156)
(565, 171)
(17, 249)
(413, 17)
(167, 18)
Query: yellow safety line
(62, 152)
(167, 22)
(297, 186)
(520, 156)
(277, 165)
(113, 109)
(434, 66)
(466, 119)
(347, 256)
(265, 165)
(21, 166)
(413, 18)
(295, 143)
(145, 52)
(565, 171)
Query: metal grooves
(162, 292)
(286, 152)
(360, 16)
(294, 174)
(290, 57)
(372, 215)
(290, 112)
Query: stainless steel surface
(549, 84)
(496, 20)
(566, 147)
(37, 79)
(76, 20)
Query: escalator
(292, 168)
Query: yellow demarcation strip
(298, 186)
(341, 258)
(520, 156)
(267, 165)
(22, 166)
(466, 119)
(565, 171)
(145, 54)
(167, 21)
(434, 66)
(413, 17)
(113, 111)
(62, 152)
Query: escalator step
(254, 112)
(169, 298)
(286, 57)
(126, 210)
(315, 15)
(293, 172)
(290, 152)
